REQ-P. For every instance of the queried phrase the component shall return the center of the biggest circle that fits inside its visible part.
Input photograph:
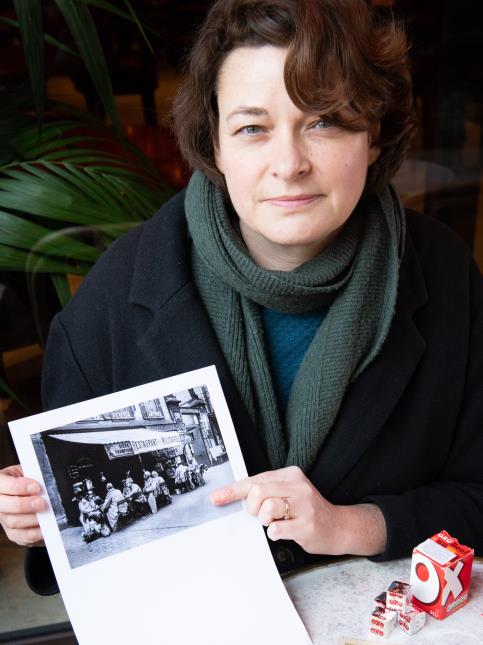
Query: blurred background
(442, 176)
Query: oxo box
(440, 575)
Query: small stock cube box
(412, 620)
(382, 622)
(398, 596)
(440, 575)
(380, 600)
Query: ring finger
(274, 508)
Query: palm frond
(36, 190)
(85, 35)
(50, 40)
(139, 25)
(29, 14)
(60, 208)
(21, 233)
(12, 259)
(127, 15)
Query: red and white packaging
(382, 622)
(398, 596)
(440, 575)
(380, 600)
(412, 620)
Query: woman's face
(293, 178)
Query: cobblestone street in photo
(187, 510)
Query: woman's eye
(250, 129)
(321, 124)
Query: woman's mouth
(293, 201)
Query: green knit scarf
(358, 273)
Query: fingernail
(217, 499)
(33, 488)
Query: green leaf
(113, 193)
(40, 193)
(85, 156)
(29, 137)
(17, 260)
(160, 189)
(85, 35)
(61, 286)
(140, 27)
(50, 40)
(82, 195)
(141, 199)
(64, 109)
(128, 196)
(131, 16)
(147, 163)
(80, 179)
(60, 135)
(42, 148)
(23, 234)
(29, 14)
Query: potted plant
(68, 185)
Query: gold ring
(286, 515)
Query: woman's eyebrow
(247, 111)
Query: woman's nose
(289, 158)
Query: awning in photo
(120, 443)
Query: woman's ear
(374, 149)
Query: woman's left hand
(292, 508)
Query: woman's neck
(278, 257)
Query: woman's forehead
(251, 82)
(251, 67)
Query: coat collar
(178, 338)
(162, 264)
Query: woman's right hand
(19, 501)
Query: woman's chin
(293, 237)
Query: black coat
(409, 435)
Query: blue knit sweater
(287, 338)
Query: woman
(346, 333)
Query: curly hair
(343, 62)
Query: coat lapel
(180, 339)
(374, 395)
(178, 336)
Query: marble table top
(336, 601)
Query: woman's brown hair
(342, 62)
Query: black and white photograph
(129, 476)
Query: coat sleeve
(39, 573)
(454, 502)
